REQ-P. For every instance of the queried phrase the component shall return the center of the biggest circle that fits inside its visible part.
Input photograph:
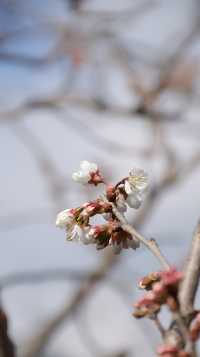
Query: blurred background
(117, 83)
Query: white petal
(134, 201)
(74, 233)
(88, 167)
(139, 179)
(138, 172)
(127, 188)
(81, 177)
(69, 233)
(87, 239)
(78, 231)
(88, 236)
(64, 218)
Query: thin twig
(184, 332)
(150, 244)
(159, 325)
(33, 277)
(190, 282)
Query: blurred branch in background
(55, 183)
(7, 348)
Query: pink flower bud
(159, 289)
(171, 277)
(147, 300)
(110, 192)
(167, 349)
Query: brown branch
(190, 283)
(94, 138)
(158, 325)
(94, 105)
(31, 277)
(7, 348)
(149, 244)
(131, 13)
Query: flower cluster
(111, 234)
(77, 221)
(163, 290)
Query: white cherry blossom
(84, 174)
(136, 186)
(65, 218)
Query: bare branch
(150, 244)
(190, 283)
(21, 278)
(7, 348)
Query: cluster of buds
(111, 234)
(128, 192)
(76, 220)
(162, 289)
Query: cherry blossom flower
(77, 221)
(88, 173)
(65, 218)
(135, 187)
(171, 277)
